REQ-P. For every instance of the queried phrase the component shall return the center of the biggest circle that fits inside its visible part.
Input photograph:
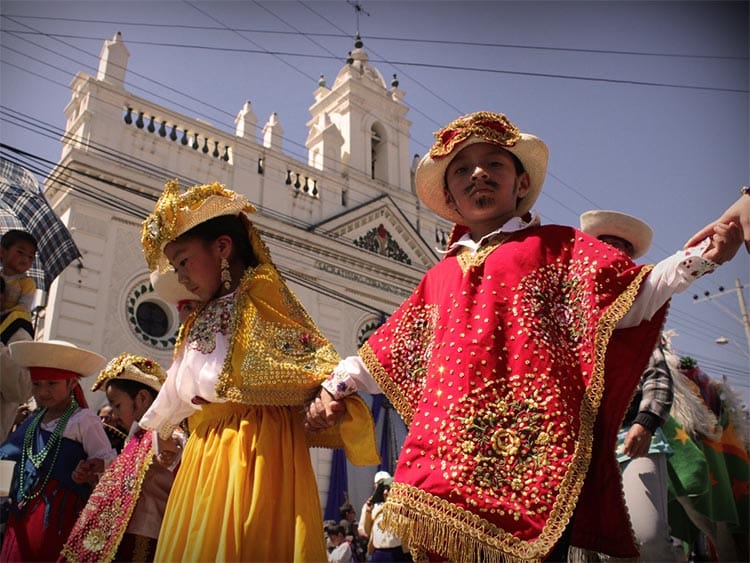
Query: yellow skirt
(245, 490)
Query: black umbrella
(23, 206)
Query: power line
(433, 66)
(481, 44)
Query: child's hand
(169, 452)
(323, 412)
(725, 242)
(88, 471)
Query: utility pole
(745, 320)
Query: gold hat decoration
(479, 127)
(133, 368)
(176, 213)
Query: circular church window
(152, 320)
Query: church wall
(93, 306)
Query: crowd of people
(528, 365)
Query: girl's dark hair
(131, 387)
(230, 225)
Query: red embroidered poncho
(507, 369)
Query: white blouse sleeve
(169, 408)
(86, 427)
(672, 275)
(349, 376)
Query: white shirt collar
(511, 226)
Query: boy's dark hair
(335, 530)
(345, 508)
(14, 235)
(131, 387)
(230, 225)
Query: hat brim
(600, 222)
(130, 373)
(167, 286)
(430, 176)
(57, 355)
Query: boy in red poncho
(512, 362)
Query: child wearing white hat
(59, 451)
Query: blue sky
(644, 104)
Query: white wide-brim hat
(56, 354)
(167, 287)
(479, 127)
(599, 222)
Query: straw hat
(133, 368)
(479, 127)
(176, 213)
(58, 355)
(167, 287)
(599, 222)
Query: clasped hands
(323, 411)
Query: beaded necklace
(53, 444)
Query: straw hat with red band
(600, 222)
(467, 130)
(56, 360)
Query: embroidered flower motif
(94, 540)
(216, 318)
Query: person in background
(17, 252)
(512, 363)
(383, 545)
(738, 212)
(340, 548)
(349, 522)
(245, 364)
(139, 480)
(112, 427)
(642, 449)
(59, 451)
(167, 286)
(376, 480)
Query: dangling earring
(226, 276)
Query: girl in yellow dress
(245, 365)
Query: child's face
(52, 394)
(18, 257)
(125, 409)
(198, 266)
(483, 187)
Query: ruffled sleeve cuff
(340, 383)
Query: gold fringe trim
(427, 522)
(387, 385)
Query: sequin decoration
(549, 304)
(498, 442)
(215, 318)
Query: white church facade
(345, 228)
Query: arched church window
(378, 153)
